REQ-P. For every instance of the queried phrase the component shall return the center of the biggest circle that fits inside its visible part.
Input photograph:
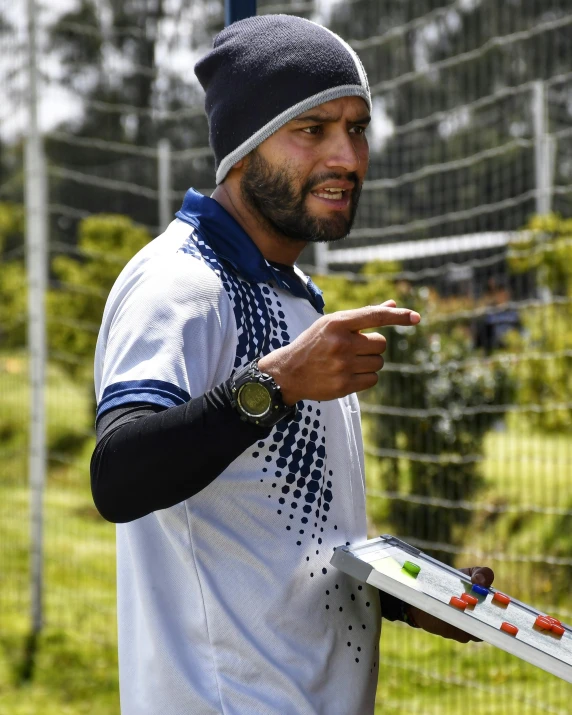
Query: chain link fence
(464, 216)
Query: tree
(461, 128)
(109, 53)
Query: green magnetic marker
(411, 568)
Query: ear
(239, 164)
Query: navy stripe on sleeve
(148, 392)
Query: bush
(545, 377)
(12, 276)
(76, 303)
(426, 414)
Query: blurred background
(466, 216)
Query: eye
(314, 129)
(358, 130)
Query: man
(229, 444)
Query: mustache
(315, 181)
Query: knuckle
(338, 366)
(376, 340)
(371, 380)
(340, 383)
(336, 319)
(346, 364)
(338, 344)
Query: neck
(273, 246)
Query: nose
(342, 153)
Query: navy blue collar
(231, 242)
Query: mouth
(334, 196)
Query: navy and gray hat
(264, 71)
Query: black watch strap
(257, 397)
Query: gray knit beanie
(264, 71)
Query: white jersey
(227, 602)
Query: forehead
(343, 108)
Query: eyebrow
(323, 118)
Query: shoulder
(170, 268)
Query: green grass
(425, 674)
(75, 668)
(525, 466)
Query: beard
(274, 195)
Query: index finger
(377, 316)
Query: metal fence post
(36, 262)
(237, 10)
(544, 149)
(164, 182)
(321, 258)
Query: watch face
(254, 399)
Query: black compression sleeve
(148, 458)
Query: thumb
(482, 575)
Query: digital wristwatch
(257, 397)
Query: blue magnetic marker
(480, 590)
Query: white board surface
(379, 562)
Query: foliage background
(467, 434)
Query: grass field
(75, 668)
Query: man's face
(304, 181)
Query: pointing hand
(332, 358)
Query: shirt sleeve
(168, 334)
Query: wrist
(271, 365)
(257, 397)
